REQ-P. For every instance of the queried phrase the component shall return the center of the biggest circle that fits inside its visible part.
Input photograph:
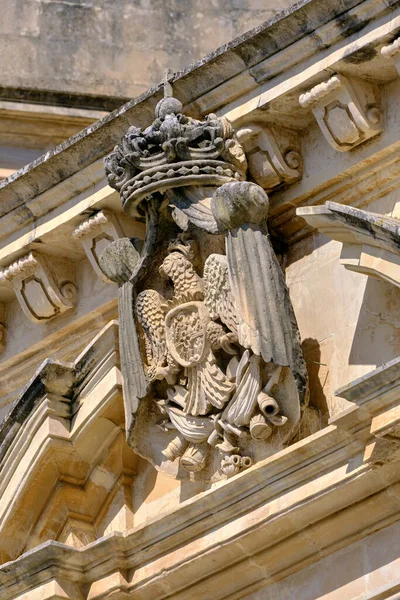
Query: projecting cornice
(371, 242)
(270, 520)
(257, 76)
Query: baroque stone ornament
(273, 154)
(174, 151)
(96, 232)
(43, 291)
(214, 377)
(347, 111)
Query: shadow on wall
(318, 373)
(376, 337)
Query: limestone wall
(119, 47)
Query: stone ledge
(233, 59)
(271, 516)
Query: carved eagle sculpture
(182, 335)
(184, 332)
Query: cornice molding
(264, 53)
(261, 515)
(270, 97)
(371, 242)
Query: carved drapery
(214, 377)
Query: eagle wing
(218, 295)
(151, 318)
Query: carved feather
(151, 318)
(208, 386)
(248, 385)
(218, 295)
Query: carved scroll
(273, 154)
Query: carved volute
(214, 377)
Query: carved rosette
(214, 378)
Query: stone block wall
(119, 47)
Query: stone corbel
(347, 111)
(371, 243)
(96, 233)
(273, 154)
(393, 51)
(42, 292)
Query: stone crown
(175, 151)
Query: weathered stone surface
(82, 516)
(116, 48)
(371, 242)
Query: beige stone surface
(116, 48)
(365, 570)
(82, 516)
(348, 322)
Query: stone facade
(116, 48)
(66, 64)
(199, 376)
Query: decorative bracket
(273, 154)
(346, 110)
(42, 292)
(97, 232)
(393, 51)
(371, 242)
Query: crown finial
(168, 105)
(174, 151)
(168, 92)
